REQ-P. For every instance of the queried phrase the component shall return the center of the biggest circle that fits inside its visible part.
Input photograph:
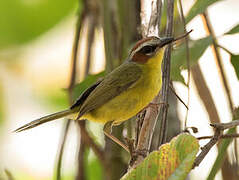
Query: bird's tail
(44, 119)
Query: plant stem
(187, 57)
(166, 74)
(65, 129)
(218, 59)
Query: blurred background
(36, 42)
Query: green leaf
(87, 82)
(179, 59)
(222, 150)
(173, 161)
(176, 75)
(199, 7)
(235, 64)
(22, 21)
(234, 30)
(56, 98)
(94, 170)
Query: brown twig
(219, 128)
(146, 121)
(166, 74)
(209, 30)
(90, 11)
(187, 57)
(61, 150)
(92, 23)
(218, 59)
(80, 174)
(223, 126)
(224, 136)
(90, 142)
(209, 104)
(207, 147)
(70, 90)
(225, 49)
(173, 91)
(205, 94)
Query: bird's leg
(130, 145)
(107, 131)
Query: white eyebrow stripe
(151, 43)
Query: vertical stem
(166, 74)
(91, 34)
(187, 57)
(227, 170)
(80, 175)
(218, 59)
(205, 94)
(70, 89)
(108, 39)
(116, 16)
(147, 120)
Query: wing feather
(80, 100)
(112, 85)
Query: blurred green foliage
(57, 99)
(199, 7)
(235, 64)
(93, 169)
(179, 60)
(234, 30)
(234, 58)
(24, 20)
(87, 82)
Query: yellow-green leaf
(199, 7)
(22, 21)
(179, 59)
(235, 64)
(172, 161)
(234, 30)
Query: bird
(122, 93)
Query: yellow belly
(130, 102)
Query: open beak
(165, 40)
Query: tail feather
(44, 119)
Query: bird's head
(148, 48)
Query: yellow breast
(134, 99)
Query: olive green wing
(116, 82)
(80, 100)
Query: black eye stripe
(148, 49)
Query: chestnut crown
(147, 47)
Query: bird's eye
(148, 49)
